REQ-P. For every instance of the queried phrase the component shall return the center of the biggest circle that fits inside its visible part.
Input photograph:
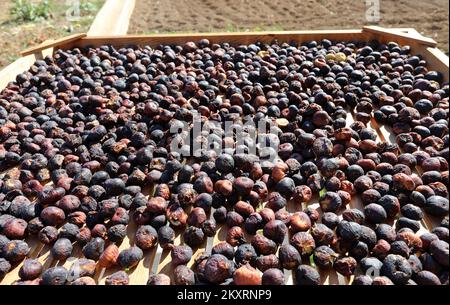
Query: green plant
(89, 6)
(25, 10)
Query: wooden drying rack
(156, 260)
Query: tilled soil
(161, 16)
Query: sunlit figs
(234, 161)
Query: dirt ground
(429, 17)
(15, 36)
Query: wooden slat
(210, 240)
(52, 43)
(232, 38)
(400, 36)
(330, 276)
(436, 59)
(165, 266)
(291, 207)
(410, 31)
(113, 18)
(22, 64)
(9, 73)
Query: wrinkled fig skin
(218, 268)
(30, 270)
(181, 255)
(307, 275)
(86, 133)
(183, 275)
(109, 256)
(62, 249)
(146, 237)
(55, 276)
(247, 275)
(84, 281)
(5, 266)
(397, 269)
(118, 278)
(158, 280)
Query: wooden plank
(400, 37)
(330, 276)
(113, 18)
(436, 59)
(9, 73)
(52, 43)
(156, 260)
(232, 38)
(405, 30)
(165, 266)
(210, 240)
(410, 31)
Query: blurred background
(30, 22)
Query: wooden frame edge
(52, 43)
(20, 65)
(398, 35)
(233, 38)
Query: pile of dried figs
(87, 160)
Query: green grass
(27, 11)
